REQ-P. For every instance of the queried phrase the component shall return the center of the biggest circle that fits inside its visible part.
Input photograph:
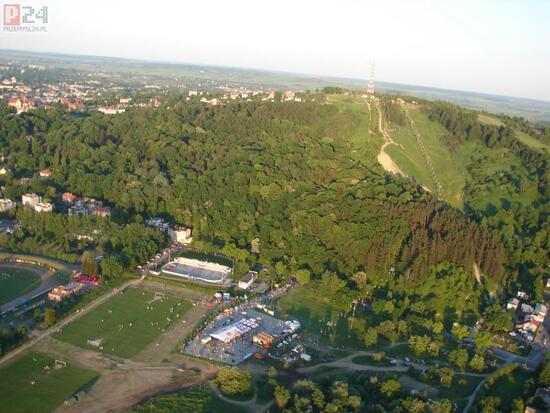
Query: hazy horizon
(492, 47)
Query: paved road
(348, 363)
(67, 321)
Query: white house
(248, 279)
(30, 199)
(181, 235)
(6, 204)
(43, 207)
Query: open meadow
(321, 319)
(127, 323)
(35, 383)
(448, 167)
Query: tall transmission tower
(370, 86)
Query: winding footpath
(383, 158)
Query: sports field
(33, 383)
(126, 324)
(15, 282)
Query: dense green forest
(277, 172)
(520, 220)
(271, 182)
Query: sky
(491, 46)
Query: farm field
(27, 386)
(15, 282)
(127, 323)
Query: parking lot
(242, 347)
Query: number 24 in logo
(30, 15)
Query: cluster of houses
(178, 234)
(21, 104)
(84, 206)
(286, 96)
(528, 319)
(76, 205)
(72, 92)
(33, 201)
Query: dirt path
(118, 390)
(48, 281)
(370, 117)
(383, 158)
(251, 405)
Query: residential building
(540, 309)
(30, 199)
(288, 95)
(102, 211)
(181, 235)
(248, 280)
(6, 204)
(68, 198)
(4, 170)
(78, 210)
(43, 207)
(527, 309)
(513, 304)
(158, 223)
(45, 173)
(21, 104)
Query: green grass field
(127, 323)
(449, 168)
(15, 282)
(27, 386)
(530, 141)
(303, 304)
(354, 114)
(489, 120)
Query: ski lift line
(427, 157)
